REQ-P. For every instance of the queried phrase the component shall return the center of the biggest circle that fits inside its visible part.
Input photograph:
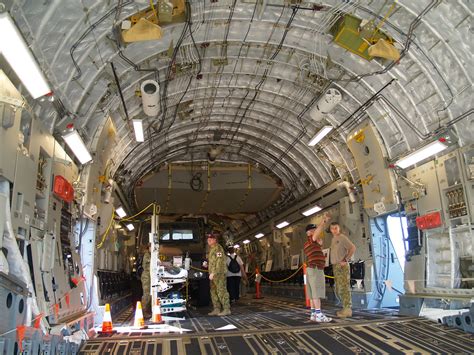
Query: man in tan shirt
(342, 250)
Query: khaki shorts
(315, 283)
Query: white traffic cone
(139, 321)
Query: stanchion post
(258, 278)
(306, 296)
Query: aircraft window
(182, 234)
(396, 236)
(165, 235)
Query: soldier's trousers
(219, 294)
(342, 277)
(146, 298)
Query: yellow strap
(198, 269)
(104, 236)
(139, 213)
(289, 277)
(263, 277)
(154, 11)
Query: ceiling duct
(150, 97)
(326, 104)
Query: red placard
(429, 221)
(63, 189)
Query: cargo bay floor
(281, 326)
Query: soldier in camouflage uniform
(217, 275)
(145, 278)
(342, 250)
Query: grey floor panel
(282, 326)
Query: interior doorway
(397, 229)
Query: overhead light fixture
(421, 154)
(246, 241)
(18, 55)
(311, 211)
(282, 225)
(323, 132)
(120, 212)
(130, 227)
(236, 246)
(259, 235)
(74, 141)
(138, 129)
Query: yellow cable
(140, 220)
(263, 277)
(154, 11)
(380, 24)
(289, 277)
(198, 269)
(249, 277)
(104, 236)
(139, 213)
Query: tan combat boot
(225, 312)
(215, 312)
(344, 313)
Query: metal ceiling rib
(300, 50)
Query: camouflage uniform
(340, 245)
(342, 276)
(218, 267)
(145, 278)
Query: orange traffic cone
(107, 327)
(157, 313)
(139, 322)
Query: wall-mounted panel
(377, 180)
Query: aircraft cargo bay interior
(236, 177)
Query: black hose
(188, 8)
(89, 30)
(119, 90)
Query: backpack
(233, 266)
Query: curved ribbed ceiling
(279, 61)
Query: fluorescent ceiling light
(16, 52)
(138, 129)
(282, 225)
(421, 154)
(246, 241)
(236, 246)
(74, 141)
(323, 132)
(120, 212)
(259, 235)
(311, 211)
(130, 227)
